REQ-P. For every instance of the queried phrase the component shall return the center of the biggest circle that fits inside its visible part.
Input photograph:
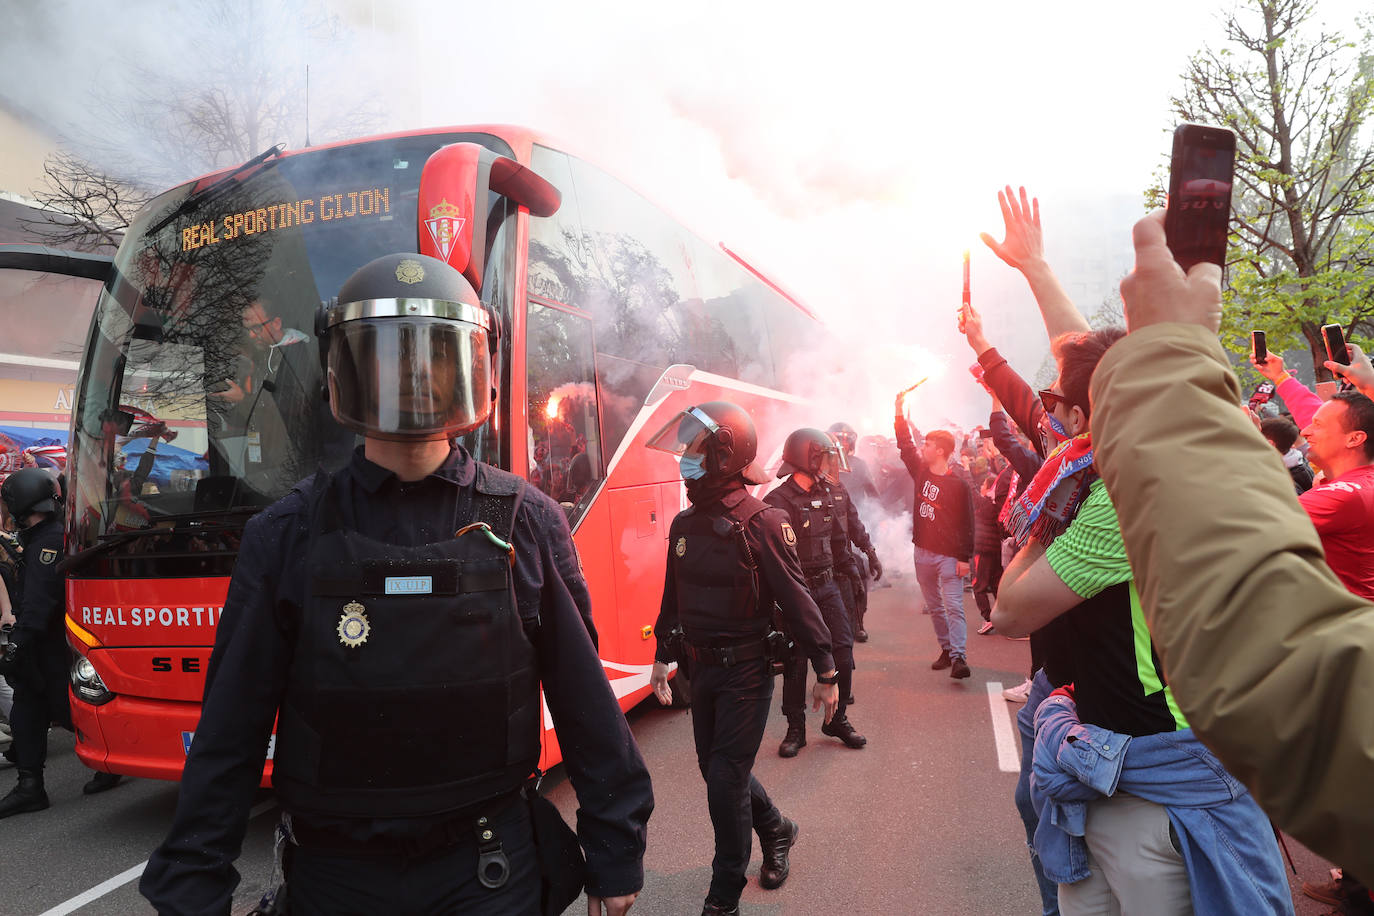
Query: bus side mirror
(452, 212)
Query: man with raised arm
(1099, 838)
(1269, 654)
(942, 532)
(1340, 438)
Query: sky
(853, 151)
(850, 151)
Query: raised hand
(1272, 368)
(1157, 291)
(901, 396)
(1359, 373)
(1024, 243)
(971, 326)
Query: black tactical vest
(839, 498)
(813, 515)
(716, 575)
(413, 689)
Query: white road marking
(124, 877)
(1008, 747)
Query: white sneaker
(986, 628)
(1019, 693)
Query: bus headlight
(87, 685)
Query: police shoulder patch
(681, 548)
(47, 556)
(788, 534)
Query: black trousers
(841, 647)
(853, 585)
(323, 882)
(987, 577)
(729, 712)
(40, 700)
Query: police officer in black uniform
(730, 559)
(811, 461)
(396, 619)
(849, 573)
(857, 477)
(35, 659)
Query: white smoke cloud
(851, 154)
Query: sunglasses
(1052, 398)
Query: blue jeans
(1025, 724)
(943, 590)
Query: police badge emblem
(353, 626)
(47, 555)
(681, 549)
(788, 534)
(409, 271)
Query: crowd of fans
(1140, 752)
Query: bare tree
(83, 207)
(1300, 99)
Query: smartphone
(1335, 344)
(1259, 346)
(1200, 176)
(976, 370)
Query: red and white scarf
(1051, 499)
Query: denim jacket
(1227, 843)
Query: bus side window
(565, 458)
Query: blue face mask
(1052, 433)
(693, 467)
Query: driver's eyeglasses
(250, 328)
(1052, 398)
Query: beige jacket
(1270, 657)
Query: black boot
(101, 782)
(795, 739)
(777, 843)
(839, 727)
(27, 796)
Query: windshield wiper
(110, 541)
(215, 189)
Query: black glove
(875, 568)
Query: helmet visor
(832, 463)
(409, 378)
(685, 434)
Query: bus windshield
(200, 396)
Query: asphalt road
(919, 822)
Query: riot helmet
(30, 490)
(716, 439)
(406, 353)
(812, 452)
(845, 435)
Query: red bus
(198, 401)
